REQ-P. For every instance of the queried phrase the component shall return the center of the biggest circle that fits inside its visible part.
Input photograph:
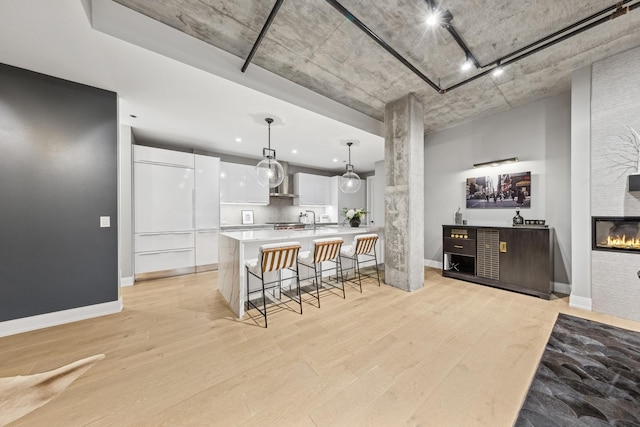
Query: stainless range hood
(285, 189)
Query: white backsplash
(278, 210)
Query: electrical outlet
(105, 221)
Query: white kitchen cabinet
(239, 185)
(206, 249)
(313, 190)
(152, 242)
(169, 261)
(177, 212)
(142, 154)
(207, 185)
(207, 211)
(164, 198)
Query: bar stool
(364, 246)
(274, 257)
(323, 250)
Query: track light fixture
(433, 18)
(467, 64)
(444, 18)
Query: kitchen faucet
(314, 218)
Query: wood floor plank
(451, 353)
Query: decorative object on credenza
(501, 191)
(457, 216)
(354, 216)
(634, 182)
(534, 223)
(247, 217)
(518, 220)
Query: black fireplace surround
(618, 234)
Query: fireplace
(616, 234)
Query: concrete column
(404, 193)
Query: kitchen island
(235, 247)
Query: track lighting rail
(621, 8)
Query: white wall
(540, 135)
(580, 185)
(125, 206)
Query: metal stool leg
(375, 257)
(264, 302)
(315, 272)
(339, 265)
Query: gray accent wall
(58, 157)
(540, 135)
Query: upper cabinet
(313, 190)
(239, 184)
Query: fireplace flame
(623, 242)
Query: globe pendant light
(269, 170)
(350, 181)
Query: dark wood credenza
(514, 258)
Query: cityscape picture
(503, 191)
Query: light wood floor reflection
(452, 353)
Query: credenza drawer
(460, 246)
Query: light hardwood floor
(452, 353)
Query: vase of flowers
(354, 216)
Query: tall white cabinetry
(313, 190)
(207, 214)
(239, 185)
(169, 211)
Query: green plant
(351, 213)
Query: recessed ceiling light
(294, 151)
(498, 71)
(466, 65)
(335, 160)
(238, 139)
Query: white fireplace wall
(615, 106)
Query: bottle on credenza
(518, 220)
(458, 217)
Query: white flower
(350, 213)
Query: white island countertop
(236, 247)
(281, 235)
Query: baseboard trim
(31, 323)
(432, 263)
(126, 281)
(562, 288)
(580, 302)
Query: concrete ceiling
(312, 44)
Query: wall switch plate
(105, 221)
(503, 247)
